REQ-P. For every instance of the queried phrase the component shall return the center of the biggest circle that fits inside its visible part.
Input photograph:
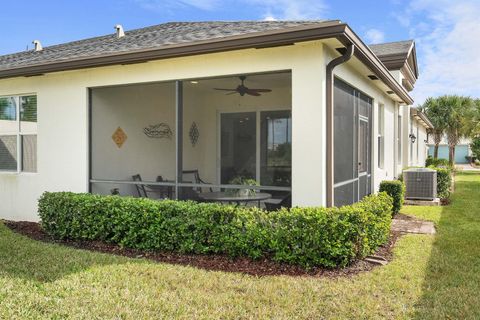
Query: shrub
(307, 237)
(444, 182)
(396, 190)
(437, 162)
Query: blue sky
(443, 29)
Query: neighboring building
(462, 150)
(171, 103)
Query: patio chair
(189, 174)
(276, 204)
(141, 190)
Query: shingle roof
(154, 37)
(392, 48)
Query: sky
(446, 31)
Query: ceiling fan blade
(222, 89)
(252, 93)
(230, 93)
(262, 90)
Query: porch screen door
(352, 139)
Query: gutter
(326, 30)
(330, 121)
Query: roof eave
(329, 29)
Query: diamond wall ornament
(119, 137)
(194, 134)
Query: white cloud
(374, 36)
(290, 10)
(446, 33)
(266, 9)
(169, 5)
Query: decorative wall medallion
(119, 137)
(159, 131)
(194, 134)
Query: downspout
(330, 120)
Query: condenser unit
(420, 183)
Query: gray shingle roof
(154, 37)
(392, 48)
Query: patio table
(222, 196)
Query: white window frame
(19, 133)
(381, 136)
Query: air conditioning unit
(420, 183)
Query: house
(179, 110)
(462, 149)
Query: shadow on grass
(452, 283)
(31, 260)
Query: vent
(373, 77)
(390, 92)
(119, 31)
(420, 183)
(38, 45)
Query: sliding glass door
(238, 146)
(256, 145)
(352, 139)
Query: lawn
(431, 277)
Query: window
(18, 134)
(399, 139)
(381, 128)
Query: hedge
(329, 237)
(430, 161)
(444, 182)
(396, 190)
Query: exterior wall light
(412, 137)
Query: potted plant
(240, 180)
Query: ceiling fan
(243, 90)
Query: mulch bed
(263, 267)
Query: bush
(437, 162)
(396, 190)
(308, 237)
(444, 182)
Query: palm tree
(460, 119)
(453, 115)
(436, 113)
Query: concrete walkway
(466, 167)
(413, 226)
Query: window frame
(18, 133)
(381, 136)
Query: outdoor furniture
(276, 204)
(142, 192)
(144, 189)
(222, 196)
(194, 177)
(165, 192)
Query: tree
(456, 116)
(460, 114)
(436, 113)
(475, 146)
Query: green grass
(430, 277)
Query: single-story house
(191, 110)
(462, 149)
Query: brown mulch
(263, 267)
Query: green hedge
(396, 190)
(307, 237)
(444, 182)
(437, 162)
